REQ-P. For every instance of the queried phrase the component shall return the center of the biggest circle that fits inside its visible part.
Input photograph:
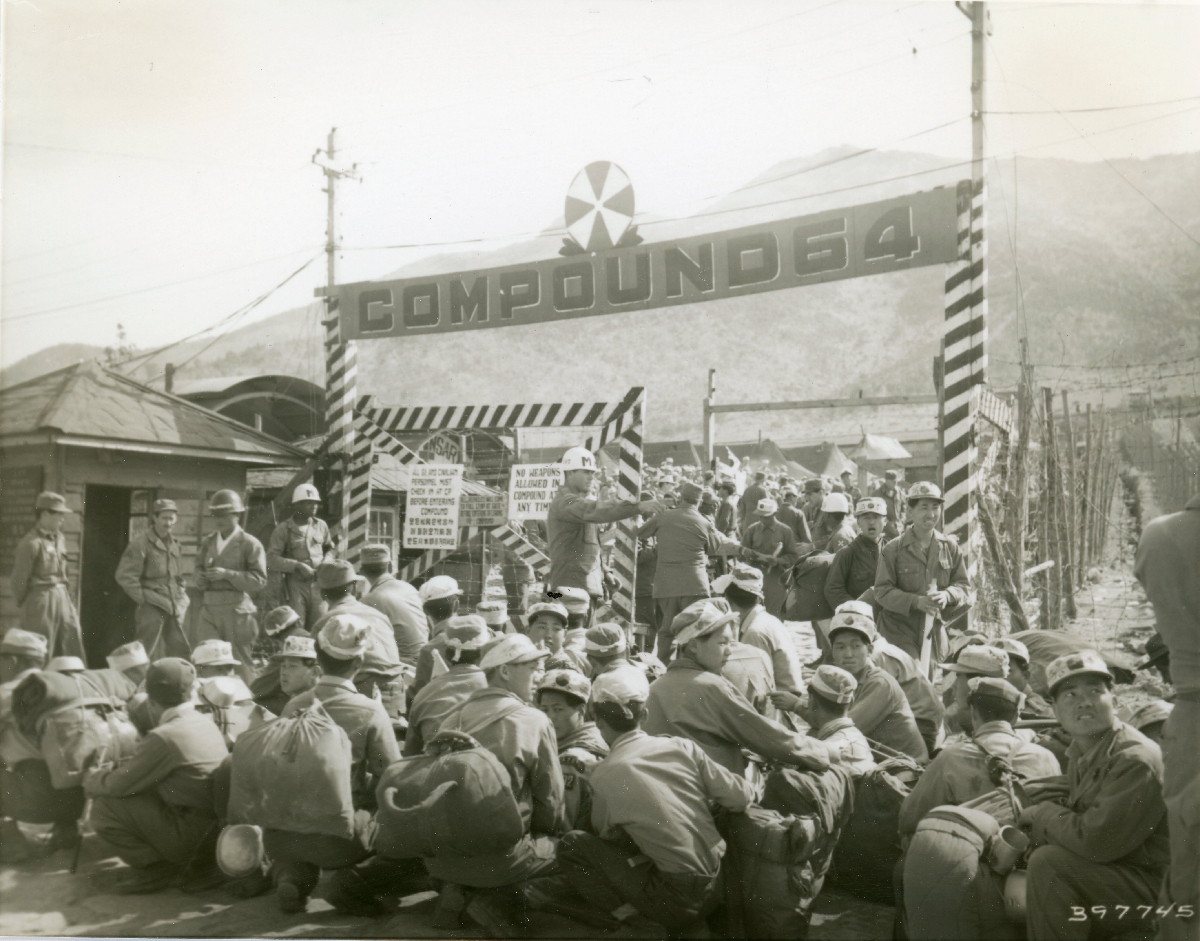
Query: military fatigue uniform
(768, 536)
(767, 633)
(751, 497)
(852, 571)
(690, 702)
(573, 525)
(894, 498)
(794, 519)
(300, 857)
(310, 543)
(881, 712)
(436, 700)
(265, 688)
(524, 742)
(382, 655)
(39, 586)
(227, 611)
(959, 773)
(578, 754)
(158, 806)
(840, 538)
(923, 698)
(401, 603)
(904, 573)
(1108, 845)
(685, 539)
(151, 573)
(656, 846)
(749, 670)
(853, 749)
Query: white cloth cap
(511, 648)
(623, 685)
(344, 636)
(215, 653)
(128, 656)
(438, 587)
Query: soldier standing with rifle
(296, 547)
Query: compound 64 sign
(891, 235)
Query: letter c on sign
(382, 318)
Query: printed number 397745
(1079, 913)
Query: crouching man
(1105, 845)
(656, 848)
(156, 809)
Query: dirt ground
(45, 899)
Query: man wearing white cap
(397, 599)
(465, 635)
(131, 660)
(214, 658)
(686, 540)
(654, 792)
(743, 589)
(296, 547)
(963, 770)
(151, 573)
(440, 598)
(342, 646)
(769, 546)
(695, 701)
(853, 569)
(1106, 844)
(573, 524)
(503, 719)
(974, 660)
(831, 692)
(921, 573)
(1034, 707)
(835, 508)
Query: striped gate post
(359, 488)
(965, 335)
(341, 390)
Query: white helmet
(578, 459)
(835, 503)
(305, 492)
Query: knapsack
(949, 891)
(456, 799)
(294, 774)
(70, 735)
(869, 848)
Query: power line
(157, 287)
(1139, 104)
(112, 153)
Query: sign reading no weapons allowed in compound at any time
(431, 520)
(530, 490)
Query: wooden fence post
(1085, 548)
(1067, 512)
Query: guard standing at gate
(296, 547)
(39, 580)
(230, 565)
(151, 573)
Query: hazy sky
(157, 154)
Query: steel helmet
(835, 503)
(225, 501)
(578, 459)
(306, 492)
(240, 850)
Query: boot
(450, 904)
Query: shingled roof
(86, 405)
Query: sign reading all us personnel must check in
(431, 517)
(530, 490)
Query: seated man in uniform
(693, 700)
(743, 589)
(579, 612)
(880, 709)
(656, 850)
(156, 809)
(1151, 720)
(381, 660)
(131, 660)
(279, 626)
(606, 648)
(26, 794)
(214, 658)
(563, 696)
(397, 599)
(299, 670)
(830, 693)
(972, 662)
(1034, 707)
(964, 770)
(546, 626)
(503, 719)
(342, 644)
(1105, 843)
(465, 635)
(440, 597)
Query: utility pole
(341, 360)
(710, 419)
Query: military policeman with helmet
(151, 573)
(296, 547)
(230, 566)
(573, 523)
(39, 580)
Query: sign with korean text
(431, 517)
(531, 487)
(890, 235)
(483, 509)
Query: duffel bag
(828, 798)
(806, 594)
(71, 735)
(869, 847)
(455, 799)
(294, 774)
(949, 891)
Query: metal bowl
(1014, 895)
(240, 850)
